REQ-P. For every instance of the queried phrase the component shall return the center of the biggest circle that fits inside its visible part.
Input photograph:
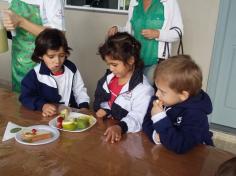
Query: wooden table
(87, 153)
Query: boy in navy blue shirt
(178, 119)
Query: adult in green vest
(26, 19)
(150, 21)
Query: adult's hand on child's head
(49, 110)
(112, 31)
(157, 107)
(101, 113)
(113, 134)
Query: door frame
(217, 48)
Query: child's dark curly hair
(122, 46)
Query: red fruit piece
(34, 131)
(60, 119)
(59, 124)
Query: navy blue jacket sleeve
(147, 122)
(84, 105)
(100, 96)
(184, 137)
(30, 97)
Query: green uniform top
(23, 42)
(152, 18)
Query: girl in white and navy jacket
(55, 80)
(123, 93)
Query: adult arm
(52, 14)
(12, 20)
(173, 19)
(127, 28)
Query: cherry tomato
(59, 124)
(34, 131)
(60, 119)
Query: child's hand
(84, 110)
(113, 134)
(101, 113)
(49, 110)
(157, 107)
(157, 138)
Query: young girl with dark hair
(123, 93)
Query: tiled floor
(225, 141)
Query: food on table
(82, 123)
(64, 113)
(15, 130)
(69, 124)
(35, 135)
(34, 131)
(73, 123)
(59, 121)
(159, 102)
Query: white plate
(53, 122)
(55, 134)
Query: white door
(222, 78)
